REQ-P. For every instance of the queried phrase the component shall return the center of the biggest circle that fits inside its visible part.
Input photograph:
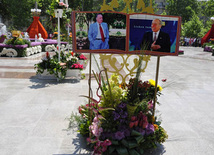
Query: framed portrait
(146, 30)
(115, 32)
(87, 37)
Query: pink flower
(150, 104)
(95, 119)
(88, 140)
(82, 57)
(77, 66)
(61, 4)
(107, 142)
(164, 80)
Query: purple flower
(150, 129)
(122, 105)
(127, 133)
(142, 131)
(119, 135)
(124, 115)
(116, 116)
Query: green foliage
(52, 66)
(18, 41)
(183, 8)
(208, 8)
(81, 123)
(113, 94)
(193, 28)
(81, 34)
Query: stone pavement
(34, 113)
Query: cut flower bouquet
(122, 117)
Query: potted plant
(58, 8)
(52, 66)
(74, 68)
(82, 59)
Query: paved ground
(34, 113)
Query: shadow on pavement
(42, 83)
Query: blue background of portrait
(139, 27)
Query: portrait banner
(120, 33)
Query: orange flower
(156, 126)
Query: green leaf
(135, 133)
(133, 144)
(92, 99)
(104, 109)
(140, 150)
(139, 139)
(133, 152)
(122, 150)
(111, 149)
(125, 143)
(114, 142)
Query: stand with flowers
(122, 117)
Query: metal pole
(89, 94)
(89, 80)
(156, 85)
(58, 40)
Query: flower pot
(73, 73)
(46, 75)
(58, 13)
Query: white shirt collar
(157, 33)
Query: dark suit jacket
(163, 40)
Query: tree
(193, 28)
(208, 10)
(183, 8)
(18, 13)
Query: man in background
(98, 34)
(156, 40)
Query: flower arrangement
(17, 40)
(121, 121)
(117, 128)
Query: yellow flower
(160, 88)
(152, 82)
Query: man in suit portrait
(98, 34)
(156, 40)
